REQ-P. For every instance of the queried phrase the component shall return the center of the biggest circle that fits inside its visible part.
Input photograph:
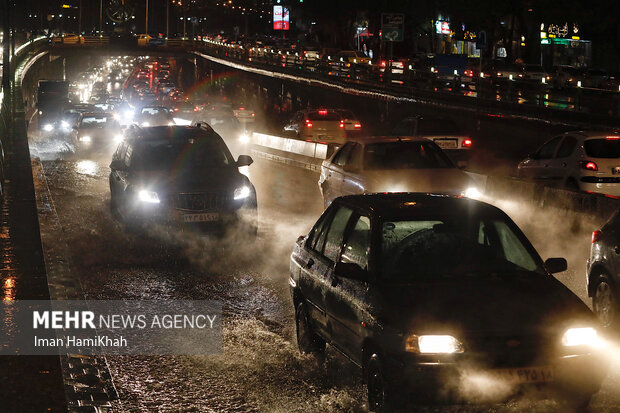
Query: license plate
(540, 374)
(615, 171)
(447, 143)
(207, 217)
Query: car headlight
(242, 193)
(244, 138)
(170, 123)
(85, 139)
(128, 114)
(48, 127)
(118, 138)
(472, 192)
(145, 124)
(433, 344)
(64, 124)
(148, 196)
(581, 336)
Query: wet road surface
(260, 368)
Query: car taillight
(383, 63)
(596, 236)
(342, 124)
(357, 126)
(322, 112)
(588, 165)
(196, 109)
(308, 123)
(176, 109)
(612, 138)
(466, 143)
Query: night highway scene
(310, 206)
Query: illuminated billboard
(280, 18)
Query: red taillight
(241, 108)
(196, 109)
(342, 124)
(588, 165)
(253, 114)
(357, 126)
(322, 112)
(466, 143)
(308, 123)
(383, 63)
(596, 236)
(612, 138)
(176, 109)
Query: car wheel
(381, 395)
(307, 340)
(605, 303)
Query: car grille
(201, 201)
(509, 350)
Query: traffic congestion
(236, 206)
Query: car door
(314, 269)
(537, 165)
(334, 172)
(352, 178)
(116, 183)
(345, 298)
(563, 163)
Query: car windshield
(154, 111)
(405, 155)
(96, 122)
(454, 247)
(186, 155)
(436, 126)
(602, 148)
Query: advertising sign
(442, 27)
(280, 18)
(392, 26)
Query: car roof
(177, 133)
(409, 205)
(365, 140)
(593, 134)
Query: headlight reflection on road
(86, 167)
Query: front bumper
(242, 219)
(465, 379)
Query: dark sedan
(181, 176)
(444, 296)
(602, 273)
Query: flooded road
(260, 368)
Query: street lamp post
(147, 18)
(100, 18)
(167, 19)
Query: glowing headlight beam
(149, 197)
(242, 193)
(472, 192)
(582, 336)
(433, 344)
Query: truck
(52, 96)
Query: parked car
(582, 160)
(183, 177)
(441, 297)
(536, 73)
(389, 164)
(602, 271)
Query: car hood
(220, 180)
(490, 304)
(440, 180)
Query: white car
(245, 114)
(583, 160)
(318, 125)
(391, 164)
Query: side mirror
(245, 160)
(118, 165)
(351, 271)
(556, 265)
